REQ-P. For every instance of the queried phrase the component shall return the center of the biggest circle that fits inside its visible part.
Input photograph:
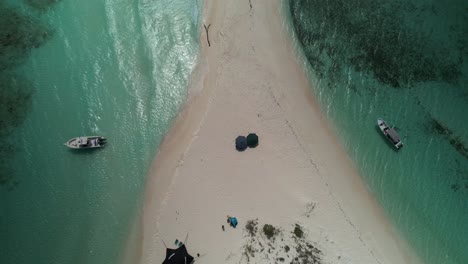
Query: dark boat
(390, 133)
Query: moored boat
(86, 142)
(390, 133)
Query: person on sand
(222, 227)
(232, 221)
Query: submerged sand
(298, 177)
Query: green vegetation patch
(252, 226)
(307, 253)
(270, 231)
(298, 232)
(278, 247)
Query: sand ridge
(250, 80)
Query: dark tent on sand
(241, 143)
(178, 256)
(252, 140)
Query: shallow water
(407, 62)
(117, 68)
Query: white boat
(86, 142)
(390, 133)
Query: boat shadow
(87, 151)
(385, 139)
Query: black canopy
(178, 256)
(252, 140)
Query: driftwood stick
(207, 36)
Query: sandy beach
(297, 178)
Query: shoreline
(250, 80)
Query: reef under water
(20, 33)
(379, 41)
(41, 4)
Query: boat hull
(389, 133)
(86, 142)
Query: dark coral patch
(41, 4)
(19, 34)
(378, 42)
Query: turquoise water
(117, 68)
(407, 62)
(120, 68)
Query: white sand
(249, 80)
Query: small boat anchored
(86, 142)
(390, 133)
